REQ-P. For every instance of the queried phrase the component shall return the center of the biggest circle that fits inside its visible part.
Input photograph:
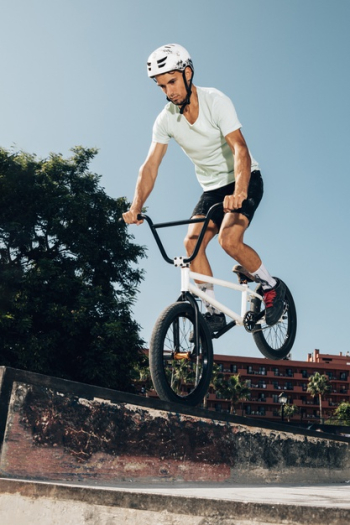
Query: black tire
(170, 336)
(276, 342)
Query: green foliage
(67, 273)
(318, 386)
(141, 372)
(289, 411)
(181, 373)
(216, 378)
(342, 414)
(233, 389)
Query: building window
(248, 410)
(304, 373)
(262, 370)
(233, 369)
(250, 369)
(343, 376)
(275, 398)
(276, 371)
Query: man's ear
(188, 73)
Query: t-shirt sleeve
(225, 115)
(160, 129)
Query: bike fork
(187, 296)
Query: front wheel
(275, 342)
(180, 372)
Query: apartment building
(268, 379)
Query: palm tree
(216, 379)
(181, 373)
(289, 411)
(318, 386)
(234, 390)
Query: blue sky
(73, 72)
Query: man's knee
(191, 238)
(190, 241)
(229, 242)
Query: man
(203, 121)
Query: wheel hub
(249, 321)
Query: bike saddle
(243, 275)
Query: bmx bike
(181, 348)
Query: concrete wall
(58, 430)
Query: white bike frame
(187, 275)
(188, 286)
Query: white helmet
(171, 57)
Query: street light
(283, 399)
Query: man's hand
(130, 217)
(234, 202)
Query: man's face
(172, 84)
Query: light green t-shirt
(204, 141)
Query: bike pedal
(244, 277)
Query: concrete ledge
(59, 430)
(26, 503)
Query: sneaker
(274, 303)
(215, 322)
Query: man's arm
(243, 161)
(145, 181)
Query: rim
(277, 336)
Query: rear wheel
(180, 372)
(276, 342)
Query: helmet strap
(188, 87)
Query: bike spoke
(183, 372)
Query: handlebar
(154, 227)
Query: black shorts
(209, 198)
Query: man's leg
(231, 239)
(200, 264)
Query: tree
(318, 386)
(67, 272)
(216, 379)
(181, 373)
(234, 390)
(289, 411)
(342, 414)
(141, 374)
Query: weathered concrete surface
(59, 431)
(30, 503)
